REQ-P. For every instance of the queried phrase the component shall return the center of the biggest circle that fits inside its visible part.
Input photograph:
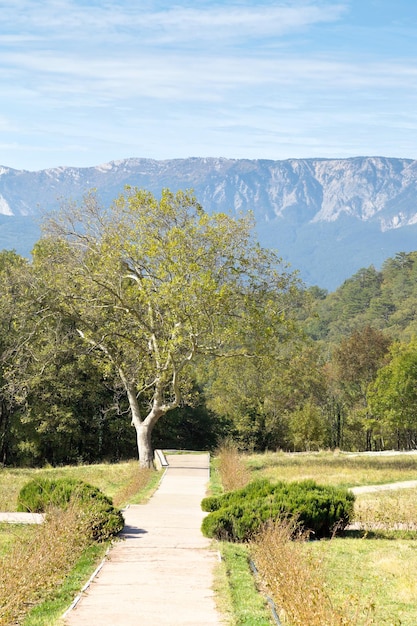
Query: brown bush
(232, 468)
(293, 578)
(40, 561)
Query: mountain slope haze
(326, 217)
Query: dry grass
(232, 467)
(110, 478)
(138, 480)
(9, 533)
(358, 579)
(333, 468)
(293, 578)
(39, 561)
(34, 561)
(293, 573)
(387, 510)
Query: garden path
(162, 570)
(406, 484)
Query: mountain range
(327, 217)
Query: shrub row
(104, 520)
(238, 515)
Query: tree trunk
(4, 431)
(143, 432)
(144, 427)
(143, 437)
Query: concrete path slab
(21, 518)
(406, 484)
(161, 572)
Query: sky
(83, 83)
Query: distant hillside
(327, 217)
(384, 299)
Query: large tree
(357, 361)
(12, 271)
(393, 396)
(153, 284)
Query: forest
(247, 351)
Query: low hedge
(238, 515)
(104, 520)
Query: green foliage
(105, 314)
(393, 396)
(256, 488)
(189, 427)
(359, 356)
(71, 414)
(248, 606)
(385, 299)
(238, 515)
(104, 519)
(13, 270)
(40, 493)
(258, 397)
(308, 428)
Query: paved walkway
(406, 484)
(21, 518)
(162, 571)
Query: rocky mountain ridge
(327, 217)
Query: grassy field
(111, 478)
(340, 469)
(379, 573)
(367, 575)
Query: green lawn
(379, 573)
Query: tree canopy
(152, 285)
(393, 397)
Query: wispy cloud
(240, 22)
(191, 79)
(224, 77)
(62, 20)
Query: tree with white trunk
(154, 284)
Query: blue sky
(83, 83)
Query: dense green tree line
(366, 330)
(155, 313)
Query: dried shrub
(40, 561)
(232, 468)
(387, 511)
(293, 577)
(139, 480)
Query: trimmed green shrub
(39, 493)
(104, 520)
(258, 488)
(238, 515)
